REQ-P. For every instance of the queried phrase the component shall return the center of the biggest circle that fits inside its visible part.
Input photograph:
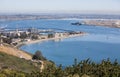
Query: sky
(60, 6)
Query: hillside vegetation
(14, 66)
(15, 63)
(11, 66)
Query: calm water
(100, 42)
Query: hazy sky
(60, 6)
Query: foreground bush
(85, 68)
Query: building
(118, 23)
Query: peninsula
(20, 37)
(103, 22)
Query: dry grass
(15, 52)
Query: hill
(15, 52)
(13, 66)
(12, 62)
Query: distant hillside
(15, 52)
(57, 16)
(15, 63)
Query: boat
(76, 23)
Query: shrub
(38, 56)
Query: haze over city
(60, 6)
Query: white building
(118, 23)
(58, 35)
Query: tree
(50, 35)
(23, 35)
(0, 40)
(7, 40)
(38, 56)
(34, 37)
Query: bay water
(99, 43)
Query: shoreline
(20, 44)
(106, 23)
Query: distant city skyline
(60, 6)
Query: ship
(76, 23)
